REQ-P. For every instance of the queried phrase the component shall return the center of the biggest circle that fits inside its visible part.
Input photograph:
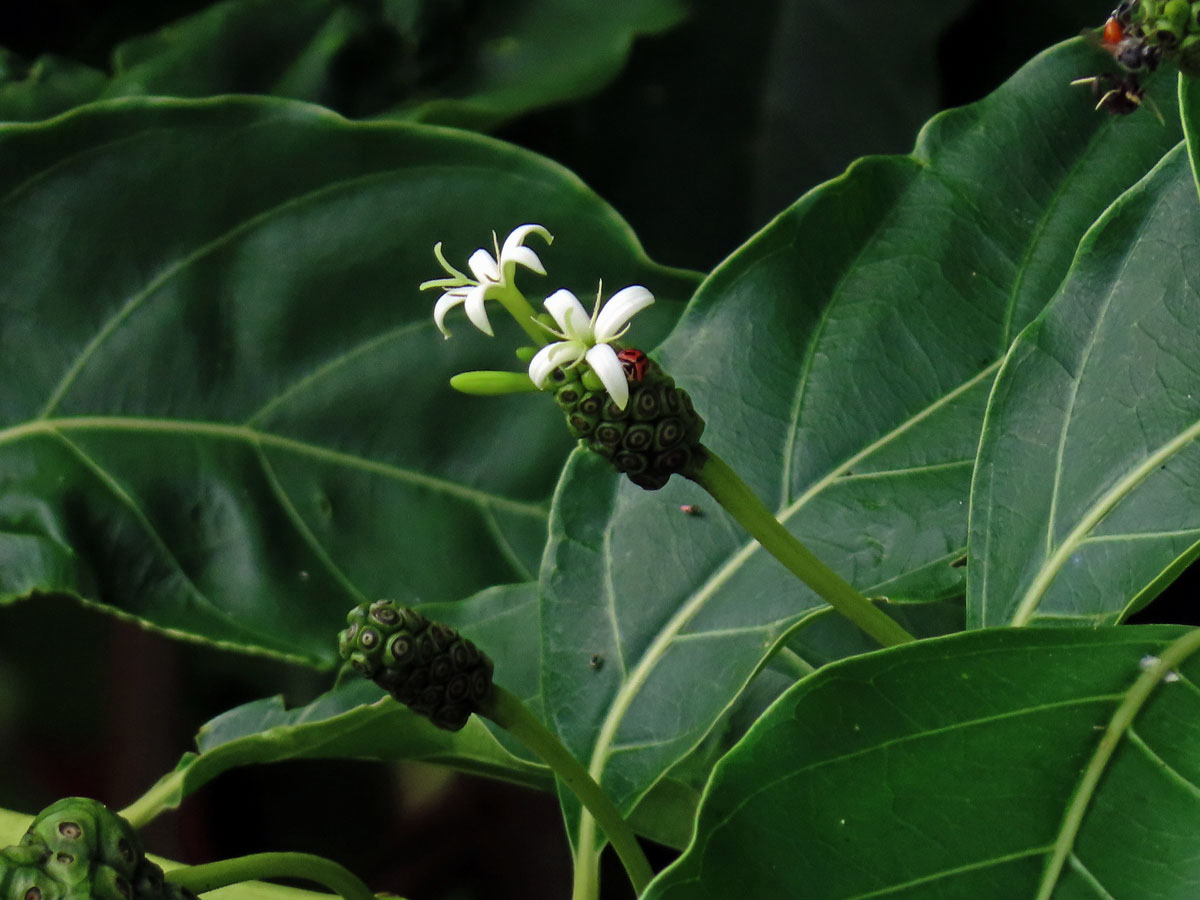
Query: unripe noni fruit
(656, 435)
(78, 830)
(27, 882)
(78, 849)
(425, 665)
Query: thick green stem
(258, 866)
(518, 307)
(728, 489)
(510, 713)
(163, 794)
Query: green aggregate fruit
(77, 829)
(27, 882)
(78, 849)
(655, 436)
(425, 665)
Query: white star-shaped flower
(493, 277)
(588, 338)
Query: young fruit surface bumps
(425, 665)
(656, 435)
(78, 849)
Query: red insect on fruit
(1114, 32)
(634, 362)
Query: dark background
(711, 129)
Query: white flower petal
(551, 357)
(476, 312)
(518, 236)
(520, 256)
(603, 361)
(620, 308)
(570, 315)
(445, 303)
(483, 267)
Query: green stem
(257, 866)
(163, 794)
(510, 713)
(728, 489)
(518, 307)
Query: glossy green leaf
(852, 52)
(357, 719)
(44, 87)
(224, 405)
(460, 62)
(882, 69)
(1189, 114)
(1087, 497)
(842, 359)
(980, 765)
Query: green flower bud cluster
(656, 435)
(77, 849)
(425, 665)
(1174, 25)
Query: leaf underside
(1086, 501)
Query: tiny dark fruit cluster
(78, 849)
(427, 666)
(655, 436)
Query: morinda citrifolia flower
(617, 401)
(493, 279)
(582, 338)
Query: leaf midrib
(254, 437)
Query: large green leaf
(842, 359)
(461, 62)
(1087, 501)
(45, 87)
(883, 68)
(224, 406)
(355, 720)
(980, 765)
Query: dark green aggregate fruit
(427, 666)
(655, 436)
(78, 849)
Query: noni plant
(625, 486)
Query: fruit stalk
(728, 489)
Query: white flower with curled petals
(588, 338)
(491, 278)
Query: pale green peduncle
(518, 307)
(511, 714)
(727, 488)
(259, 866)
